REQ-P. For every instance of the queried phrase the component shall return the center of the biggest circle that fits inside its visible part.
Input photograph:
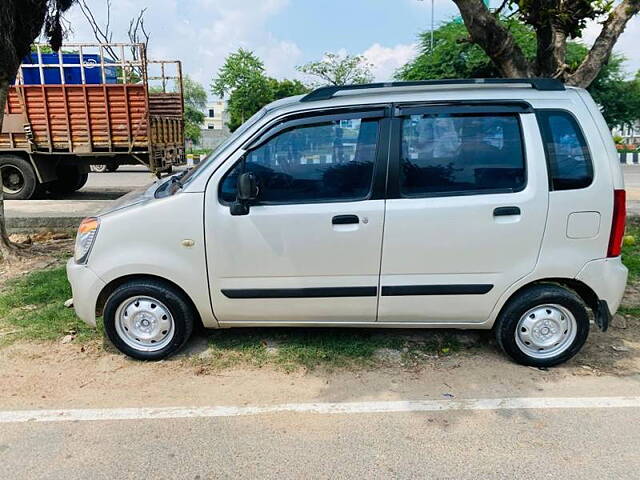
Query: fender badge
(188, 243)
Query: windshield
(191, 174)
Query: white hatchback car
(447, 204)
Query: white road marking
(86, 415)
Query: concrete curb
(33, 215)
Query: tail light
(617, 226)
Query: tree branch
(497, 42)
(599, 54)
(102, 36)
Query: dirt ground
(45, 250)
(46, 375)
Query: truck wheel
(544, 325)
(19, 180)
(148, 320)
(70, 179)
(82, 180)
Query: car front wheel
(543, 326)
(148, 320)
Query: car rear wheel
(19, 180)
(543, 326)
(148, 320)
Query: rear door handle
(506, 211)
(345, 219)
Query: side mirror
(247, 187)
(247, 192)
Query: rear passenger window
(449, 154)
(570, 164)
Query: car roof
(409, 93)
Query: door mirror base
(239, 208)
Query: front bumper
(85, 287)
(608, 279)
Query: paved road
(567, 443)
(109, 186)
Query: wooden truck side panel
(78, 118)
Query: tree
(21, 22)
(453, 56)
(338, 69)
(242, 78)
(286, 88)
(554, 23)
(195, 101)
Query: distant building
(215, 116)
(214, 128)
(630, 134)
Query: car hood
(134, 197)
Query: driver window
(323, 162)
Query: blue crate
(72, 75)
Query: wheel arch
(110, 287)
(584, 291)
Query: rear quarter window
(568, 157)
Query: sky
(288, 33)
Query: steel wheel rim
(144, 323)
(12, 179)
(546, 331)
(98, 168)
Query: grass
(313, 347)
(32, 308)
(631, 250)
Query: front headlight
(87, 232)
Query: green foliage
(286, 88)
(195, 100)
(631, 251)
(619, 97)
(336, 69)
(195, 95)
(33, 307)
(242, 78)
(570, 17)
(454, 56)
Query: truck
(84, 106)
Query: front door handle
(345, 219)
(506, 211)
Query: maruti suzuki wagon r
(485, 204)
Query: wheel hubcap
(546, 331)
(144, 323)
(12, 179)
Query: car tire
(112, 167)
(148, 319)
(543, 325)
(18, 178)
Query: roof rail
(545, 84)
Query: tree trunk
(497, 42)
(603, 46)
(7, 250)
(551, 51)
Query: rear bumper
(608, 279)
(85, 286)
